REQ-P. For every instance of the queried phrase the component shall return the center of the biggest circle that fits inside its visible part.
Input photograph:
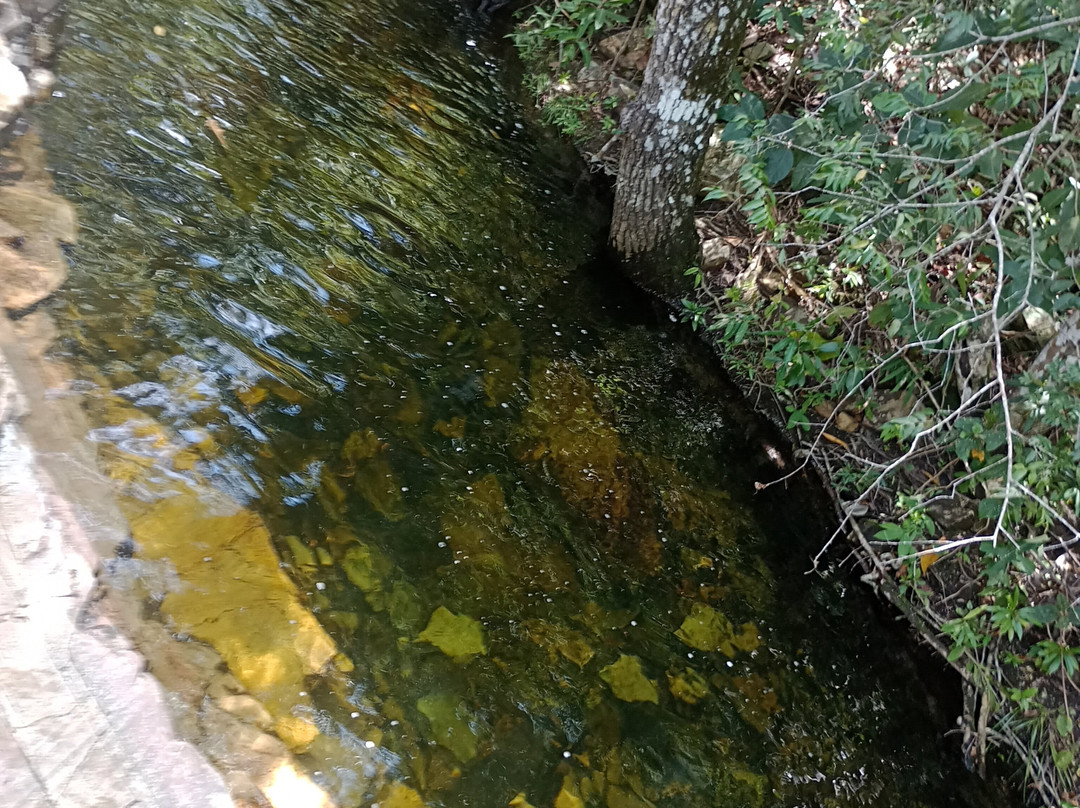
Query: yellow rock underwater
(220, 582)
(233, 595)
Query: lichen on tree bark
(666, 132)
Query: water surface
(324, 247)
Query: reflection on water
(329, 269)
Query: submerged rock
(456, 635)
(564, 426)
(448, 727)
(628, 682)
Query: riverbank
(862, 276)
(101, 702)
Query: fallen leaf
(628, 682)
(617, 797)
(689, 686)
(365, 567)
(217, 131)
(558, 640)
(361, 446)
(757, 701)
(449, 729)
(747, 639)
(454, 428)
(456, 635)
(251, 396)
(836, 440)
(846, 422)
(927, 561)
(519, 801)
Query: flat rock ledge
(81, 722)
(100, 705)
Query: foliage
(567, 27)
(913, 202)
(556, 40)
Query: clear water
(327, 235)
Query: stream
(332, 270)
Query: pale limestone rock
(631, 48)
(81, 722)
(715, 253)
(33, 224)
(247, 709)
(38, 213)
(36, 333)
(1065, 345)
(1040, 323)
(622, 89)
(721, 165)
(14, 89)
(24, 282)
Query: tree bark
(667, 130)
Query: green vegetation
(557, 42)
(895, 237)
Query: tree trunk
(667, 130)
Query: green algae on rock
(628, 682)
(456, 635)
(688, 685)
(708, 630)
(449, 727)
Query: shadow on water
(327, 252)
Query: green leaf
(778, 163)
(990, 508)
(1041, 615)
(751, 106)
(963, 97)
(1051, 200)
(779, 123)
(1069, 234)
(1063, 759)
(1063, 723)
(990, 164)
(736, 131)
(891, 532)
(959, 34)
(890, 104)
(882, 314)
(802, 174)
